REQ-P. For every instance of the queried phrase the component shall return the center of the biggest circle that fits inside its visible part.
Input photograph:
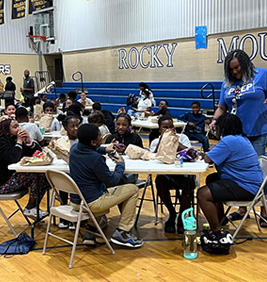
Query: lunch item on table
(190, 154)
(60, 148)
(37, 109)
(38, 158)
(134, 152)
(46, 122)
(168, 145)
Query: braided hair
(247, 67)
(229, 124)
(126, 116)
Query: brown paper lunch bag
(46, 121)
(168, 146)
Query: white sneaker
(63, 225)
(33, 212)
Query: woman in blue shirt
(239, 175)
(243, 93)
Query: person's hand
(207, 121)
(120, 148)
(265, 101)
(19, 139)
(24, 135)
(152, 113)
(191, 124)
(202, 154)
(110, 148)
(212, 125)
(119, 160)
(134, 109)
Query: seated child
(43, 99)
(15, 143)
(109, 117)
(195, 128)
(165, 182)
(84, 100)
(239, 175)
(10, 110)
(123, 137)
(98, 119)
(22, 116)
(71, 125)
(49, 109)
(90, 172)
(67, 104)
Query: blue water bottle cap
(189, 222)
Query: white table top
(131, 166)
(152, 125)
(53, 134)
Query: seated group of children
(239, 175)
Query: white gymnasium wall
(83, 24)
(93, 24)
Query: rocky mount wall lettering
(148, 56)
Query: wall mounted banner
(37, 5)
(18, 9)
(201, 37)
(1, 11)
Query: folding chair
(259, 200)
(60, 181)
(15, 196)
(143, 184)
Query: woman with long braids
(244, 93)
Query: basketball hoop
(42, 37)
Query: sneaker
(216, 243)
(103, 221)
(33, 212)
(126, 239)
(72, 226)
(63, 225)
(89, 239)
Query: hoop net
(42, 37)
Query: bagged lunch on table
(37, 109)
(167, 148)
(46, 122)
(134, 152)
(61, 148)
(38, 158)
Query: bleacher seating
(113, 95)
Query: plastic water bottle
(190, 238)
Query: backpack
(131, 100)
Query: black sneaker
(216, 242)
(126, 239)
(89, 239)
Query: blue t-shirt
(250, 107)
(236, 159)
